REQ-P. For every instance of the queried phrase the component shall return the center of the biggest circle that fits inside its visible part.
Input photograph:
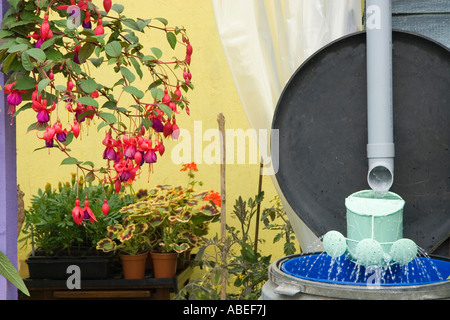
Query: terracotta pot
(133, 265)
(164, 264)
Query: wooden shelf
(116, 287)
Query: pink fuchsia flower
(145, 147)
(87, 21)
(48, 136)
(88, 213)
(157, 125)
(77, 49)
(61, 134)
(14, 97)
(40, 106)
(126, 171)
(129, 146)
(77, 213)
(109, 143)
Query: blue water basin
(323, 268)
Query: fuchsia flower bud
(107, 5)
(76, 129)
(176, 130)
(99, 30)
(105, 207)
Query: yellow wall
(214, 93)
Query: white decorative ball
(403, 251)
(334, 244)
(369, 253)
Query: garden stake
(258, 208)
(221, 121)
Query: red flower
(214, 197)
(190, 166)
(77, 213)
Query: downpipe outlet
(380, 176)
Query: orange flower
(190, 166)
(214, 197)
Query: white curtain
(264, 42)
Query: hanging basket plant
(51, 51)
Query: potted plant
(131, 240)
(177, 217)
(57, 241)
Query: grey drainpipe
(380, 147)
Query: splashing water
(342, 270)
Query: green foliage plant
(245, 270)
(48, 224)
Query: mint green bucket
(371, 218)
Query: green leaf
(113, 49)
(166, 109)
(25, 83)
(48, 43)
(13, 3)
(143, 23)
(69, 139)
(172, 39)
(90, 177)
(131, 24)
(37, 54)
(134, 91)
(5, 33)
(70, 160)
(88, 101)
(137, 67)
(26, 62)
(128, 74)
(85, 52)
(164, 21)
(96, 61)
(117, 8)
(89, 163)
(157, 93)
(17, 48)
(53, 54)
(157, 52)
(88, 85)
(43, 84)
(106, 245)
(108, 117)
(11, 274)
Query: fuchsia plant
(48, 62)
